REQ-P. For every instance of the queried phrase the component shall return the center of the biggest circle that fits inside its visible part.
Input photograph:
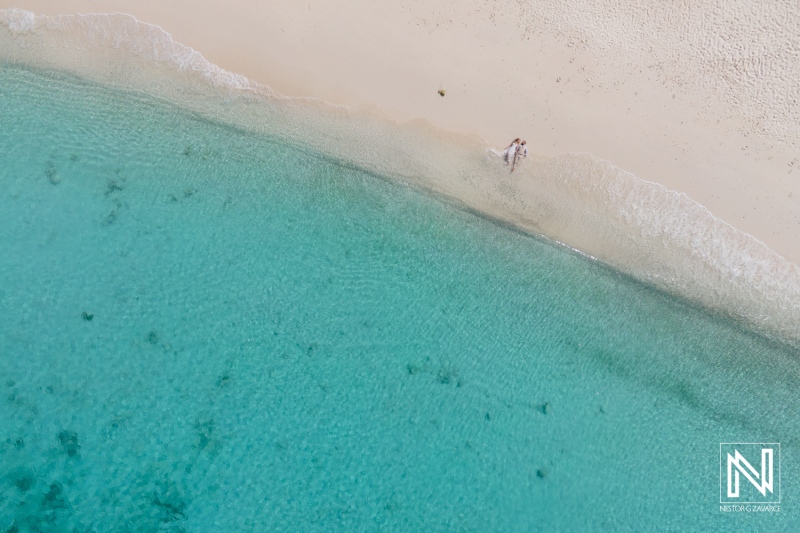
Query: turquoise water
(207, 330)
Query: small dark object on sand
(87, 316)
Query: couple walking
(514, 151)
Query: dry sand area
(702, 97)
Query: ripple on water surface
(205, 329)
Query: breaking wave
(654, 234)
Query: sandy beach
(698, 98)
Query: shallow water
(210, 330)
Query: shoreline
(642, 228)
(505, 77)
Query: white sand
(701, 97)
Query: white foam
(641, 228)
(18, 20)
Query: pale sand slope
(702, 97)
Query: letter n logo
(743, 479)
